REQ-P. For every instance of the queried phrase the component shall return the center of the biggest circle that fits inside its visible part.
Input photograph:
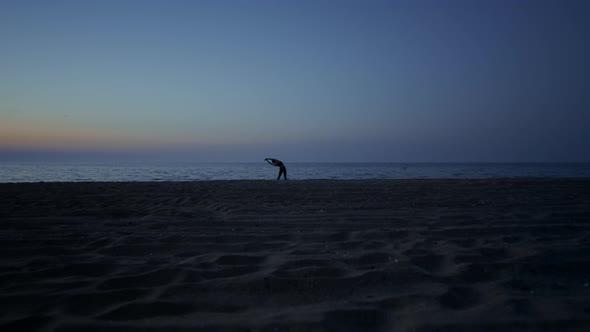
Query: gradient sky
(416, 80)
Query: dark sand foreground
(382, 255)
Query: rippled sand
(366, 255)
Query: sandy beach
(314, 255)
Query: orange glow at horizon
(48, 135)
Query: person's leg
(285, 172)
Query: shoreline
(299, 255)
(296, 171)
(270, 179)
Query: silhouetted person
(278, 163)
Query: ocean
(35, 172)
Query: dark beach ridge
(313, 255)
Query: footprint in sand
(459, 297)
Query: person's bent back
(278, 163)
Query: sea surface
(35, 172)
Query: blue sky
(297, 80)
